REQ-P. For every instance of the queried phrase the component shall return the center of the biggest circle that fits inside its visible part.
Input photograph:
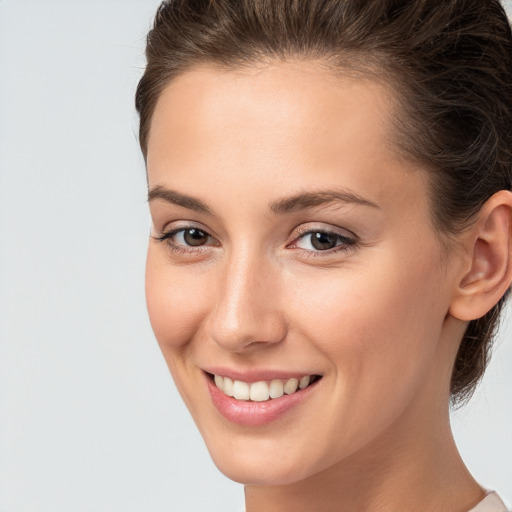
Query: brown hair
(449, 62)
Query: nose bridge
(246, 310)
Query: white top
(491, 503)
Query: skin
(374, 318)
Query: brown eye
(323, 241)
(182, 238)
(195, 237)
(318, 241)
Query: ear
(487, 272)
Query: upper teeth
(262, 390)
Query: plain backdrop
(89, 417)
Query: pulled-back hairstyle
(448, 61)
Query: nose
(246, 313)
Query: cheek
(174, 302)
(378, 332)
(377, 326)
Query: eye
(191, 236)
(319, 241)
(323, 241)
(186, 239)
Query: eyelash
(347, 243)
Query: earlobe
(489, 244)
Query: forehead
(296, 123)
(299, 100)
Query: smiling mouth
(262, 391)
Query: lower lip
(255, 414)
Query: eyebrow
(171, 196)
(311, 199)
(301, 201)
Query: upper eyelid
(171, 227)
(176, 230)
(342, 232)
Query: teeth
(276, 389)
(241, 390)
(291, 386)
(260, 391)
(228, 386)
(304, 382)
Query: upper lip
(256, 375)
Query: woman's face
(290, 241)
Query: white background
(89, 417)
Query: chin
(260, 472)
(252, 461)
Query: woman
(329, 184)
